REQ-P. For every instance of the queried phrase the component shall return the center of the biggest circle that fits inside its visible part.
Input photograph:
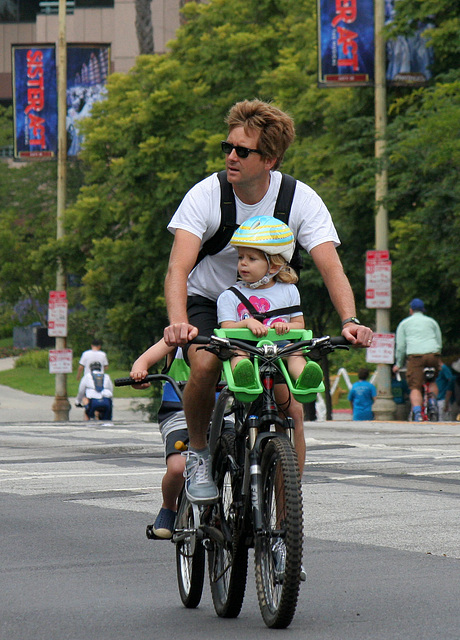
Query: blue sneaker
(199, 485)
(163, 526)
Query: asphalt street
(381, 515)
(382, 550)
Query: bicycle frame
(255, 465)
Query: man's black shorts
(202, 313)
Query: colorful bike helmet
(267, 234)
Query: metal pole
(384, 408)
(61, 405)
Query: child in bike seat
(265, 297)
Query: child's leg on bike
(175, 436)
(294, 410)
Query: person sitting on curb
(95, 393)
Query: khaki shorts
(415, 365)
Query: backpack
(228, 217)
(261, 316)
(98, 379)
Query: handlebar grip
(200, 340)
(126, 382)
(340, 341)
(123, 382)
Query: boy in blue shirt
(361, 396)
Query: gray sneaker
(199, 485)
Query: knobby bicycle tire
(228, 555)
(190, 560)
(281, 507)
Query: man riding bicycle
(419, 339)
(259, 135)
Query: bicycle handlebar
(151, 377)
(224, 348)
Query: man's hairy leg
(199, 395)
(416, 397)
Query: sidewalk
(17, 406)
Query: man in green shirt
(419, 341)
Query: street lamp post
(61, 406)
(384, 408)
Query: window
(18, 10)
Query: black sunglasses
(241, 152)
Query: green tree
(27, 226)
(158, 133)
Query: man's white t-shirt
(91, 356)
(280, 295)
(199, 213)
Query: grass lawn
(42, 383)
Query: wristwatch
(348, 320)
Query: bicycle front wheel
(228, 553)
(278, 547)
(190, 559)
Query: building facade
(88, 21)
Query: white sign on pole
(60, 361)
(378, 285)
(378, 280)
(382, 349)
(57, 314)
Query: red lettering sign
(37, 125)
(345, 12)
(346, 40)
(35, 98)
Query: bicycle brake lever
(220, 347)
(321, 347)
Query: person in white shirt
(95, 393)
(95, 354)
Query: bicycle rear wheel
(190, 558)
(228, 553)
(433, 409)
(278, 548)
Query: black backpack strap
(282, 211)
(227, 220)
(285, 197)
(266, 314)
